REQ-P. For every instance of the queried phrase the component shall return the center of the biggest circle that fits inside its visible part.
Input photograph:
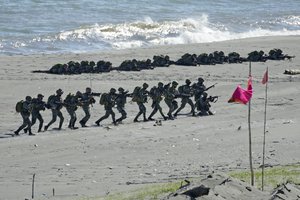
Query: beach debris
(292, 71)
(239, 128)
(217, 186)
(157, 123)
(288, 122)
(67, 164)
(286, 191)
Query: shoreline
(102, 160)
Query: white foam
(149, 33)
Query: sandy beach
(95, 161)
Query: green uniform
(108, 107)
(71, 103)
(204, 106)
(87, 99)
(37, 106)
(156, 94)
(56, 105)
(140, 100)
(185, 95)
(25, 113)
(120, 102)
(170, 96)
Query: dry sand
(95, 161)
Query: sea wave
(185, 31)
(148, 32)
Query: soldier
(185, 92)
(25, 113)
(198, 88)
(71, 103)
(170, 94)
(156, 94)
(140, 98)
(37, 105)
(55, 103)
(87, 99)
(108, 102)
(120, 102)
(204, 105)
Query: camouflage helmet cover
(112, 90)
(200, 79)
(28, 98)
(59, 91)
(120, 89)
(145, 85)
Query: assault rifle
(210, 86)
(213, 99)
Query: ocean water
(51, 26)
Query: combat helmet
(174, 83)
(59, 91)
(200, 80)
(112, 90)
(188, 81)
(145, 85)
(120, 89)
(88, 90)
(28, 98)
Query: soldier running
(140, 98)
(156, 94)
(87, 99)
(185, 92)
(108, 102)
(170, 95)
(25, 113)
(55, 104)
(120, 102)
(71, 103)
(37, 105)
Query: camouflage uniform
(204, 105)
(25, 113)
(198, 89)
(185, 94)
(170, 94)
(142, 98)
(71, 103)
(120, 102)
(37, 105)
(156, 94)
(87, 99)
(108, 106)
(56, 105)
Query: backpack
(103, 98)
(50, 99)
(135, 94)
(19, 106)
(180, 89)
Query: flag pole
(249, 127)
(264, 139)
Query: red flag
(241, 95)
(265, 78)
